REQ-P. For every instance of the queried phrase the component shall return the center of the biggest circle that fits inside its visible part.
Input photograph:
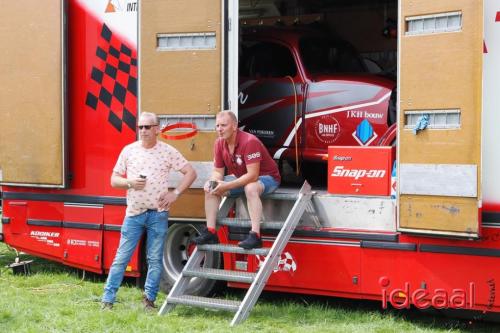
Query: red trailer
(75, 78)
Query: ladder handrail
(272, 258)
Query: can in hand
(212, 185)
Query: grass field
(55, 298)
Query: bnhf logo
(327, 129)
(403, 298)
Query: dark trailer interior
(289, 48)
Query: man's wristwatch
(177, 193)
(129, 185)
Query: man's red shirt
(248, 149)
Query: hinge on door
(229, 28)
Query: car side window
(267, 60)
(325, 56)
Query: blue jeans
(270, 185)
(155, 224)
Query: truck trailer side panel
(33, 97)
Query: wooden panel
(441, 71)
(179, 82)
(198, 148)
(439, 214)
(31, 63)
(182, 82)
(191, 204)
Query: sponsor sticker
(340, 171)
(44, 237)
(364, 133)
(262, 133)
(114, 6)
(286, 263)
(36, 233)
(327, 129)
(82, 242)
(342, 158)
(365, 114)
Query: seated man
(250, 169)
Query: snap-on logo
(252, 156)
(339, 171)
(342, 158)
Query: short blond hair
(230, 114)
(150, 115)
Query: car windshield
(326, 56)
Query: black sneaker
(251, 242)
(148, 305)
(206, 237)
(106, 306)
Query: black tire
(176, 255)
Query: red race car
(301, 92)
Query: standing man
(250, 170)
(143, 168)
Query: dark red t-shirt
(248, 149)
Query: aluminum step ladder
(256, 280)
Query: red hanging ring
(189, 134)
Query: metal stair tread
(221, 274)
(233, 249)
(234, 222)
(205, 302)
(281, 196)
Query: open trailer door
(183, 80)
(32, 96)
(441, 45)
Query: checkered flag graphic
(113, 81)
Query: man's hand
(210, 185)
(137, 183)
(217, 176)
(119, 181)
(221, 189)
(165, 200)
(206, 187)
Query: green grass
(55, 298)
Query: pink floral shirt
(155, 163)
